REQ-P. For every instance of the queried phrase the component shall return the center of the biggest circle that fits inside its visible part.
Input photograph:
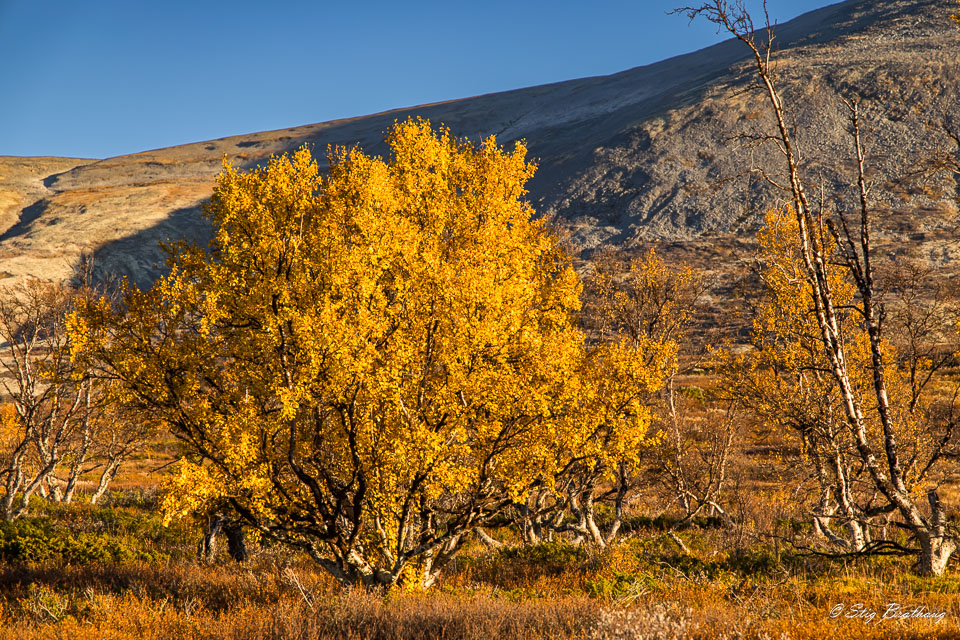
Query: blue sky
(99, 78)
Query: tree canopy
(366, 364)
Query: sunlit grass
(642, 587)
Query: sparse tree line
(375, 363)
(57, 424)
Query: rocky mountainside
(654, 155)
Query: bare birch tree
(57, 426)
(883, 432)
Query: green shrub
(622, 586)
(694, 393)
(558, 553)
(34, 540)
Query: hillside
(648, 155)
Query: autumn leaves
(370, 364)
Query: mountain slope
(646, 155)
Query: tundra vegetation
(413, 414)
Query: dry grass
(732, 584)
(278, 597)
(184, 601)
(641, 588)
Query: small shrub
(34, 540)
(558, 553)
(621, 587)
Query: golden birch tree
(366, 365)
(634, 314)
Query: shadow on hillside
(27, 216)
(567, 135)
(140, 257)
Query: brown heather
(637, 589)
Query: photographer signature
(893, 611)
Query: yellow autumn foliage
(11, 427)
(367, 364)
(638, 317)
(786, 379)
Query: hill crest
(646, 155)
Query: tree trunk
(14, 482)
(488, 540)
(71, 488)
(936, 546)
(935, 552)
(591, 522)
(105, 479)
(236, 546)
(207, 547)
(31, 488)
